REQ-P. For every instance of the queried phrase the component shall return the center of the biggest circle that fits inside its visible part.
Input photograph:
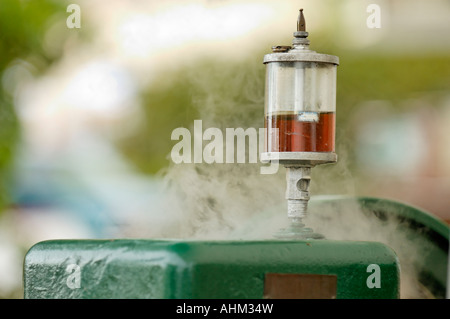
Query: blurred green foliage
(220, 94)
(23, 25)
(393, 78)
(167, 105)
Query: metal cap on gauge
(299, 51)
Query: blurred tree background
(223, 92)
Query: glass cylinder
(300, 106)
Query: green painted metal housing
(420, 239)
(177, 269)
(409, 244)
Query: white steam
(234, 201)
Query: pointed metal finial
(301, 24)
(300, 41)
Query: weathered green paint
(425, 232)
(202, 269)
